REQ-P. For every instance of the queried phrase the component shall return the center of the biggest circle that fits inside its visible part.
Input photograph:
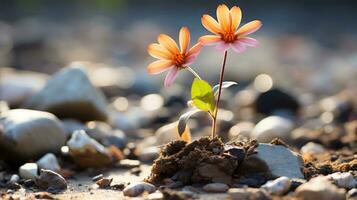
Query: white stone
(135, 189)
(28, 134)
(272, 127)
(70, 94)
(28, 171)
(320, 188)
(280, 160)
(49, 161)
(343, 180)
(80, 141)
(312, 148)
(14, 178)
(216, 187)
(278, 186)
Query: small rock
(49, 161)
(14, 178)
(87, 152)
(98, 177)
(167, 133)
(216, 187)
(17, 85)
(104, 182)
(149, 154)
(127, 163)
(280, 160)
(78, 98)
(247, 193)
(51, 181)
(276, 100)
(319, 188)
(352, 194)
(28, 134)
(155, 196)
(272, 127)
(135, 189)
(278, 186)
(343, 180)
(28, 171)
(312, 148)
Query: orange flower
(171, 58)
(225, 30)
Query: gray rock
(28, 134)
(70, 94)
(216, 187)
(272, 127)
(320, 188)
(17, 85)
(278, 186)
(49, 161)
(51, 181)
(149, 154)
(343, 180)
(28, 171)
(135, 189)
(280, 160)
(14, 179)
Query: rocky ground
(70, 137)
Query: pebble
(278, 186)
(343, 180)
(167, 133)
(128, 163)
(149, 154)
(216, 187)
(51, 181)
(135, 189)
(312, 148)
(28, 134)
(280, 161)
(247, 193)
(319, 188)
(28, 171)
(18, 85)
(49, 161)
(104, 182)
(272, 127)
(78, 100)
(87, 152)
(275, 100)
(14, 178)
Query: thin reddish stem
(214, 122)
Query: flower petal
(157, 51)
(222, 46)
(169, 43)
(195, 50)
(238, 47)
(223, 17)
(159, 66)
(249, 28)
(210, 39)
(236, 17)
(184, 39)
(248, 41)
(211, 24)
(171, 76)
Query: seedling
(204, 97)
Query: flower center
(179, 59)
(229, 37)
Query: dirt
(202, 161)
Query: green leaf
(225, 84)
(202, 95)
(184, 118)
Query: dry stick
(214, 121)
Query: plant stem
(193, 72)
(219, 95)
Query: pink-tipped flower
(171, 57)
(225, 30)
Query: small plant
(204, 97)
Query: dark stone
(276, 100)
